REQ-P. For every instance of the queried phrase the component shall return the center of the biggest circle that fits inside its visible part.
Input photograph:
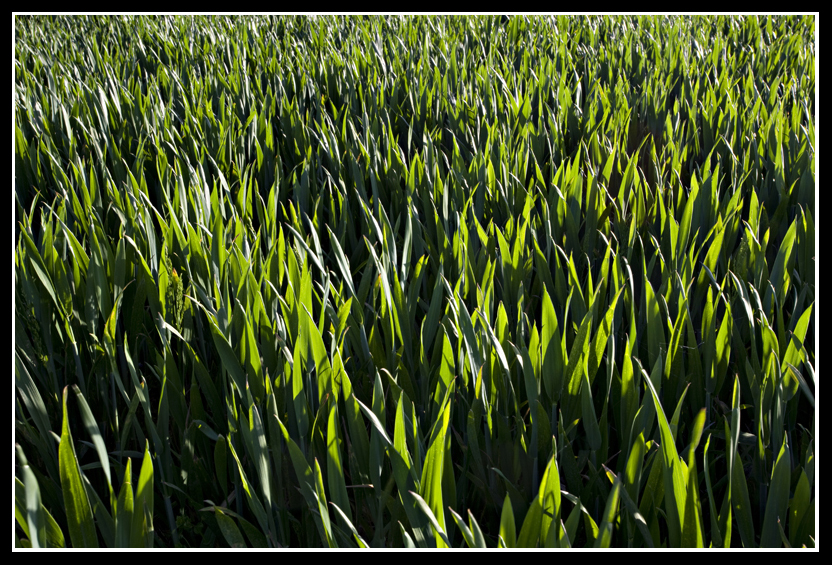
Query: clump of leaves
(415, 281)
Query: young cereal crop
(414, 281)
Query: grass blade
(78, 511)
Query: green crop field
(423, 282)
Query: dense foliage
(434, 281)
